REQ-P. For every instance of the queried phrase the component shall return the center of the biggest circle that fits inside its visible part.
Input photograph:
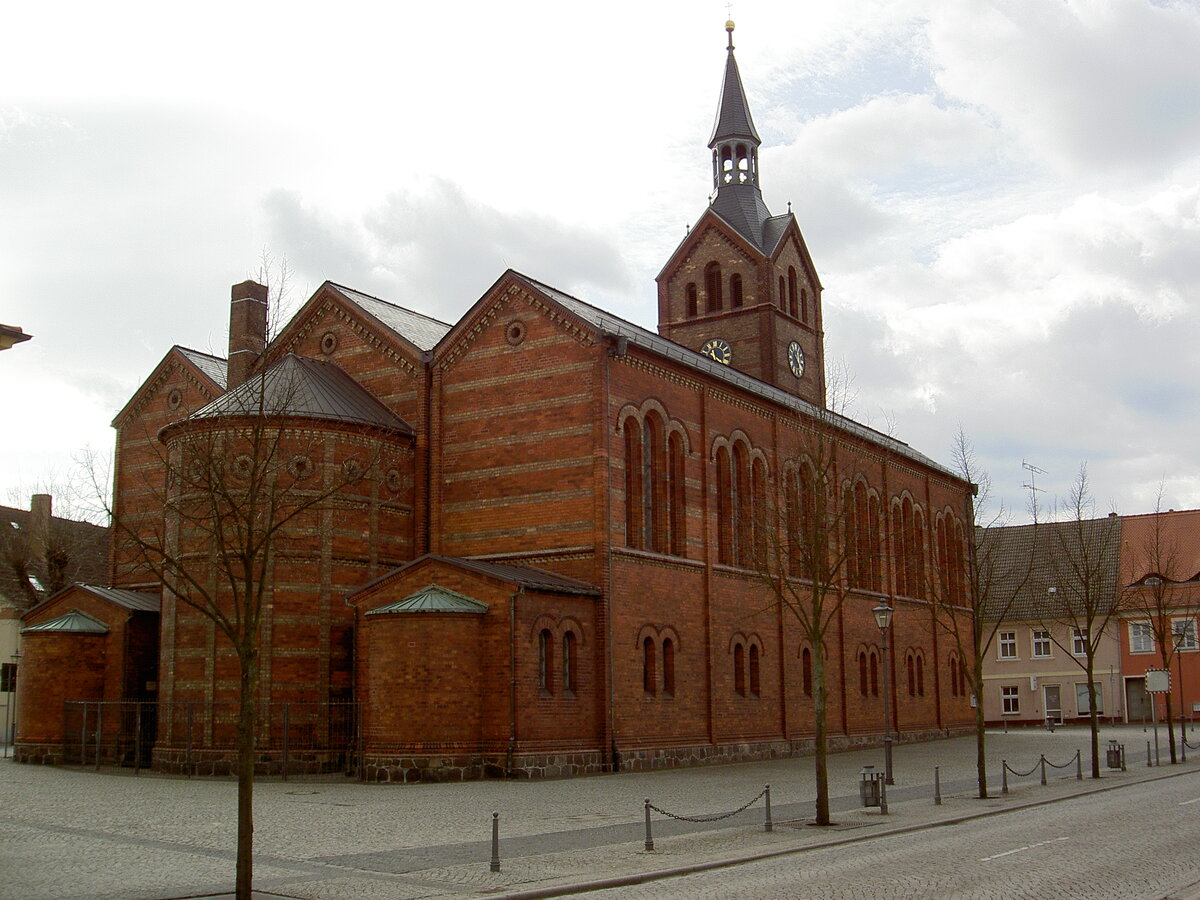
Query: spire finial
(729, 29)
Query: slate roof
(608, 323)
(1047, 556)
(733, 112)
(74, 622)
(422, 331)
(85, 545)
(307, 388)
(433, 598)
(742, 207)
(215, 367)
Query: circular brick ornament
(329, 343)
(174, 398)
(514, 332)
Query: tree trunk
(820, 754)
(1094, 721)
(1170, 726)
(980, 732)
(247, 728)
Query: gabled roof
(520, 576)
(422, 331)
(741, 206)
(139, 601)
(211, 368)
(433, 598)
(607, 323)
(1033, 568)
(305, 388)
(215, 368)
(74, 622)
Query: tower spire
(734, 140)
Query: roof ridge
(394, 305)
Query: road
(1136, 842)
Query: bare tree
(1152, 589)
(997, 573)
(1080, 553)
(42, 553)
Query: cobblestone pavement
(78, 833)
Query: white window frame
(1188, 627)
(1006, 644)
(1046, 644)
(1079, 641)
(1010, 700)
(1081, 698)
(1141, 637)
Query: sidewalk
(80, 834)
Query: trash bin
(1050, 723)
(869, 786)
(1114, 755)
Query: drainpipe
(620, 349)
(512, 686)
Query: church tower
(741, 287)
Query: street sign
(1158, 681)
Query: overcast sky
(1002, 198)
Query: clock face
(795, 355)
(719, 350)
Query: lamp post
(883, 618)
(1180, 637)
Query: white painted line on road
(1186, 802)
(1023, 849)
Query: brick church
(552, 566)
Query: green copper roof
(74, 622)
(433, 599)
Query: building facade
(554, 561)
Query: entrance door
(1052, 693)
(1137, 701)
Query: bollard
(1149, 759)
(495, 842)
(1123, 769)
(1079, 765)
(1004, 776)
(1042, 763)
(883, 810)
(768, 826)
(937, 786)
(649, 836)
(1182, 745)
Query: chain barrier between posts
(648, 806)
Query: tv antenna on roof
(1034, 471)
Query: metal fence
(200, 738)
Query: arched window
(962, 680)
(668, 666)
(756, 517)
(782, 294)
(545, 661)
(712, 286)
(725, 507)
(803, 305)
(920, 675)
(693, 304)
(735, 291)
(755, 685)
(912, 681)
(918, 554)
(862, 673)
(649, 679)
(874, 674)
(569, 671)
(806, 680)
(651, 442)
(953, 675)
(874, 557)
(739, 669)
(676, 496)
(792, 291)
(633, 483)
(740, 495)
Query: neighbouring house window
(1141, 637)
(1081, 699)
(1079, 641)
(8, 678)
(806, 679)
(739, 670)
(668, 667)
(1008, 645)
(1041, 644)
(648, 667)
(1010, 699)
(568, 653)
(1186, 627)
(755, 685)
(545, 664)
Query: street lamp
(883, 618)
(1180, 637)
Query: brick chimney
(247, 330)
